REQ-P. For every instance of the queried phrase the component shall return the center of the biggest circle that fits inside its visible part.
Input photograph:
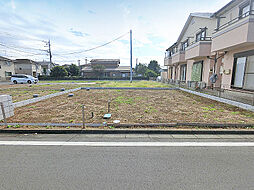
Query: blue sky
(74, 25)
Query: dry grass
(132, 106)
(24, 91)
(21, 92)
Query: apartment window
(183, 69)
(243, 71)
(244, 10)
(197, 71)
(168, 53)
(185, 45)
(201, 35)
(174, 50)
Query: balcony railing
(202, 39)
(235, 20)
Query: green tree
(58, 71)
(150, 73)
(141, 69)
(154, 66)
(98, 70)
(73, 70)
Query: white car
(20, 78)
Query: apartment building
(220, 44)
(6, 68)
(187, 58)
(28, 67)
(233, 40)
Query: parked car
(19, 78)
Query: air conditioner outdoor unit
(201, 85)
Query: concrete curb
(223, 100)
(131, 131)
(34, 100)
(148, 125)
(125, 88)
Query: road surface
(105, 166)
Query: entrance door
(197, 71)
(239, 72)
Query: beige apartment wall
(207, 67)
(231, 36)
(205, 49)
(231, 14)
(6, 68)
(164, 75)
(228, 65)
(194, 27)
(189, 69)
(198, 50)
(174, 74)
(250, 37)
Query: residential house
(46, 67)
(6, 68)
(28, 67)
(233, 41)
(219, 44)
(111, 69)
(187, 58)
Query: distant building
(28, 67)
(111, 69)
(6, 69)
(46, 67)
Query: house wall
(228, 63)
(207, 67)
(164, 75)
(231, 14)
(194, 27)
(230, 36)
(6, 68)
(189, 69)
(28, 69)
(23, 68)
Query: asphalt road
(82, 167)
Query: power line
(28, 48)
(82, 51)
(19, 37)
(29, 53)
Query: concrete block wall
(8, 106)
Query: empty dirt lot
(22, 92)
(131, 106)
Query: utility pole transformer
(131, 56)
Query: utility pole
(131, 56)
(49, 51)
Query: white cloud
(155, 24)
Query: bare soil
(131, 106)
